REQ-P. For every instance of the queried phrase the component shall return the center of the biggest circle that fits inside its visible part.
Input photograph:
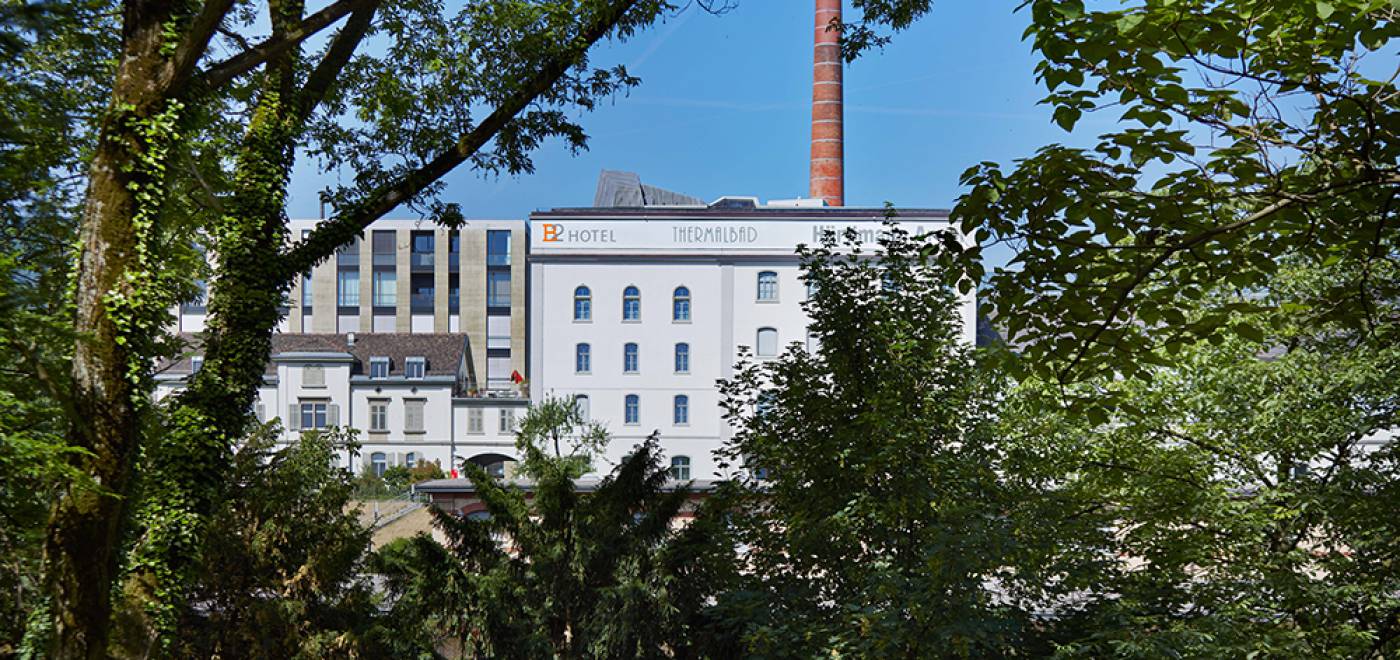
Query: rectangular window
(454, 249)
(379, 415)
(498, 247)
(386, 288)
(681, 412)
(349, 254)
(498, 289)
(347, 288)
(497, 331)
(507, 421)
(767, 342)
(306, 297)
(313, 375)
(413, 415)
(423, 250)
(474, 421)
(682, 358)
(314, 415)
(767, 286)
(630, 358)
(196, 363)
(632, 409)
(379, 367)
(454, 295)
(414, 367)
(384, 248)
(421, 290)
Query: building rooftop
(444, 354)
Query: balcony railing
(421, 260)
(421, 302)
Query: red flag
(515, 377)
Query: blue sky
(723, 108)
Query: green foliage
(557, 571)
(1252, 493)
(280, 567)
(881, 514)
(1249, 136)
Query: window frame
(476, 421)
(378, 463)
(631, 410)
(759, 293)
(378, 360)
(506, 421)
(680, 410)
(682, 352)
(758, 343)
(674, 472)
(631, 357)
(583, 358)
(378, 415)
(305, 408)
(422, 406)
(583, 302)
(681, 300)
(416, 361)
(631, 304)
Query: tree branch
(224, 72)
(342, 48)
(344, 227)
(196, 40)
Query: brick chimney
(828, 155)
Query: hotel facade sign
(566, 236)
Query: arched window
(682, 358)
(631, 304)
(410, 460)
(583, 358)
(581, 406)
(378, 463)
(767, 345)
(680, 304)
(680, 468)
(680, 410)
(630, 360)
(632, 409)
(583, 304)
(767, 286)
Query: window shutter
(333, 415)
(293, 417)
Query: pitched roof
(443, 353)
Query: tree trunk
(110, 393)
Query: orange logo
(551, 233)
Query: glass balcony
(421, 302)
(422, 260)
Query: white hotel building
(636, 312)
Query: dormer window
(414, 367)
(379, 367)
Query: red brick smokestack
(828, 155)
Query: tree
(281, 569)
(1250, 134)
(882, 515)
(1251, 484)
(193, 145)
(556, 570)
